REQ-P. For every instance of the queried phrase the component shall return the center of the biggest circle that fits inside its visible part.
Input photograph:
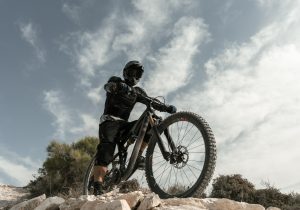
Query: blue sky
(236, 63)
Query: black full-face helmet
(133, 72)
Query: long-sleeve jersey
(119, 103)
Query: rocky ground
(115, 200)
(10, 195)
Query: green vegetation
(237, 188)
(63, 170)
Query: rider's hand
(171, 109)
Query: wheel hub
(180, 157)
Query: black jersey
(120, 103)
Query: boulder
(217, 204)
(133, 198)
(150, 201)
(100, 205)
(181, 207)
(193, 202)
(29, 204)
(51, 203)
(72, 204)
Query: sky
(235, 63)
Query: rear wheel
(114, 175)
(190, 166)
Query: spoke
(193, 138)
(167, 179)
(198, 152)
(163, 173)
(158, 167)
(193, 173)
(200, 161)
(157, 156)
(156, 152)
(158, 162)
(201, 137)
(180, 128)
(186, 176)
(181, 177)
(176, 181)
(177, 131)
(194, 167)
(196, 147)
(186, 134)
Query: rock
(87, 198)
(29, 204)
(150, 201)
(91, 205)
(181, 207)
(192, 202)
(11, 195)
(51, 203)
(100, 205)
(132, 198)
(72, 204)
(129, 186)
(273, 208)
(218, 204)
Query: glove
(171, 109)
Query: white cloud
(69, 122)
(88, 126)
(53, 102)
(173, 63)
(17, 171)
(130, 34)
(251, 99)
(17, 167)
(95, 94)
(72, 12)
(30, 35)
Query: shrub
(64, 169)
(233, 187)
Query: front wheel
(192, 163)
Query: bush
(64, 168)
(233, 187)
(271, 197)
(237, 188)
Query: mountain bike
(180, 158)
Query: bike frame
(147, 118)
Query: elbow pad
(111, 87)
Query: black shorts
(110, 134)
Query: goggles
(135, 72)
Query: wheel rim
(177, 176)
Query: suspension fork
(162, 147)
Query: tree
(233, 187)
(64, 168)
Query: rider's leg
(99, 173)
(108, 132)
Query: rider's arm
(115, 85)
(141, 94)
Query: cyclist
(121, 96)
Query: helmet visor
(135, 72)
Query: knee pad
(105, 153)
